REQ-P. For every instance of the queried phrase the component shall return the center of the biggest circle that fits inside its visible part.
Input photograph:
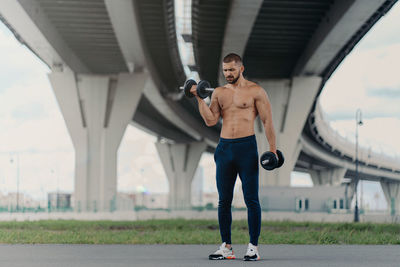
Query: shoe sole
(222, 258)
(256, 259)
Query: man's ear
(241, 69)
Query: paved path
(194, 255)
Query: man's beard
(234, 80)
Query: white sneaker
(223, 253)
(252, 253)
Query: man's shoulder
(219, 89)
(254, 86)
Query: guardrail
(330, 138)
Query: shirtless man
(238, 103)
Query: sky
(33, 134)
(368, 79)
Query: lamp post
(358, 123)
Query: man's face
(232, 71)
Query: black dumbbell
(203, 88)
(269, 161)
(187, 86)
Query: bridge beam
(391, 190)
(97, 110)
(237, 31)
(180, 162)
(331, 176)
(291, 101)
(160, 103)
(340, 23)
(123, 20)
(32, 28)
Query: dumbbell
(269, 161)
(203, 88)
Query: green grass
(181, 231)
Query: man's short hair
(232, 57)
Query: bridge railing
(330, 137)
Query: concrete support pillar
(391, 190)
(332, 176)
(97, 110)
(350, 193)
(291, 101)
(180, 162)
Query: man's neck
(239, 83)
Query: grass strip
(180, 231)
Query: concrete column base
(180, 162)
(331, 176)
(391, 190)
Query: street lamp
(358, 123)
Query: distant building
(10, 201)
(57, 200)
(156, 200)
(128, 201)
(124, 201)
(314, 199)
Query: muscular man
(238, 103)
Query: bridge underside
(291, 49)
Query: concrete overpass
(329, 157)
(116, 62)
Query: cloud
(368, 80)
(17, 61)
(382, 32)
(29, 112)
(384, 92)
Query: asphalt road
(195, 255)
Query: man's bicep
(214, 105)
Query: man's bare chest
(237, 100)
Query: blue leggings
(232, 157)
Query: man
(238, 103)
